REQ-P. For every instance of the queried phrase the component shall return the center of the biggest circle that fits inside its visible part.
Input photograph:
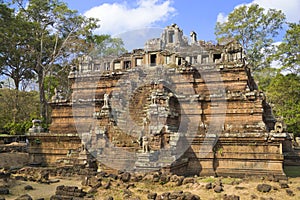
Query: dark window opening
(153, 59)
(127, 64)
(231, 57)
(216, 57)
(179, 61)
(171, 36)
(96, 67)
(195, 60)
(107, 66)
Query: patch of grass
(208, 179)
(292, 171)
(229, 180)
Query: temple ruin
(182, 105)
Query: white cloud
(290, 8)
(222, 18)
(120, 17)
(276, 44)
(275, 63)
(136, 38)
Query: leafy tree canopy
(15, 38)
(59, 35)
(284, 95)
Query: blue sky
(121, 16)
(196, 15)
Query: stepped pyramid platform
(191, 108)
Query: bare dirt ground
(39, 190)
(244, 188)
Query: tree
(15, 38)
(265, 77)
(283, 92)
(15, 62)
(288, 52)
(60, 34)
(105, 45)
(57, 80)
(255, 29)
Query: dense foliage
(11, 121)
(284, 90)
(284, 95)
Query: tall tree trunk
(16, 100)
(43, 101)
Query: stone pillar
(193, 37)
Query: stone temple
(181, 105)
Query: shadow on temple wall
(187, 165)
